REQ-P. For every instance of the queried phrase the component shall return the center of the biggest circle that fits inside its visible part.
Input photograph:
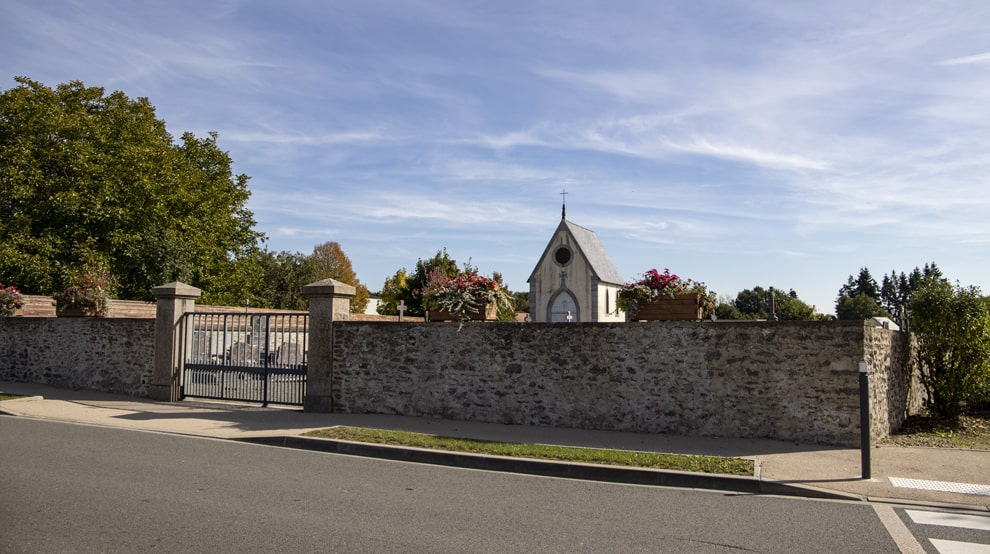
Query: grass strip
(653, 460)
(5, 396)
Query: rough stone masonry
(781, 380)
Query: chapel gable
(575, 279)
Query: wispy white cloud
(965, 60)
(288, 137)
(817, 135)
(703, 146)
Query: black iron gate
(251, 357)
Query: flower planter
(75, 311)
(666, 308)
(488, 312)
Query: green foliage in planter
(86, 293)
(655, 285)
(464, 295)
(11, 300)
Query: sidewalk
(787, 467)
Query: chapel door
(562, 305)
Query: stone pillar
(329, 301)
(174, 299)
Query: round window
(562, 255)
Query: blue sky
(749, 143)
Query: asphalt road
(75, 488)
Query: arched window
(562, 305)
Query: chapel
(575, 279)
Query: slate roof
(591, 248)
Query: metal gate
(251, 357)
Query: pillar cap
(176, 290)
(328, 287)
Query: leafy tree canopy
(284, 274)
(521, 300)
(897, 289)
(858, 307)
(94, 182)
(404, 287)
(864, 283)
(952, 324)
(507, 311)
(755, 303)
(862, 298)
(392, 292)
(441, 262)
(330, 262)
(859, 298)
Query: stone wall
(895, 386)
(788, 381)
(782, 380)
(105, 354)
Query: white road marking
(943, 486)
(956, 547)
(947, 519)
(902, 536)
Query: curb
(586, 472)
(13, 401)
(929, 504)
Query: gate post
(329, 301)
(173, 300)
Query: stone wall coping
(176, 290)
(328, 287)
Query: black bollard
(864, 417)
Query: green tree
(755, 304)
(403, 287)
(283, 276)
(859, 298)
(952, 324)
(505, 312)
(441, 260)
(864, 283)
(897, 289)
(859, 307)
(392, 292)
(329, 261)
(88, 179)
(727, 311)
(521, 300)
(792, 308)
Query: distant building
(372, 307)
(575, 279)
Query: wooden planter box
(75, 311)
(678, 307)
(488, 312)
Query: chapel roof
(591, 248)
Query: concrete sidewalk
(790, 468)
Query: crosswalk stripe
(947, 519)
(956, 547)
